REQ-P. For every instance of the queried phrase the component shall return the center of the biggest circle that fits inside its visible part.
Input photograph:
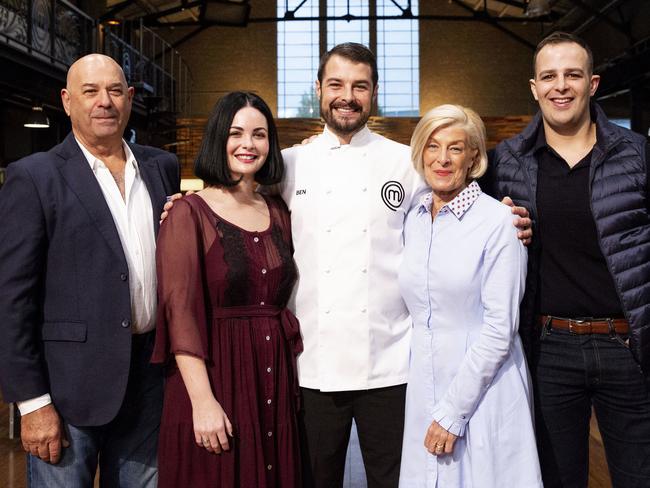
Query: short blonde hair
(450, 116)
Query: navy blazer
(65, 308)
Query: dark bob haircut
(211, 163)
(352, 51)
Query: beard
(344, 125)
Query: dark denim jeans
(572, 374)
(125, 449)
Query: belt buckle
(576, 322)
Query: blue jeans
(574, 373)
(125, 449)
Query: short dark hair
(211, 163)
(352, 51)
(560, 37)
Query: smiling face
(97, 100)
(563, 86)
(346, 95)
(447, 160)
(248, 143)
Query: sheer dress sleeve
(181, 321)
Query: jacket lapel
(79, 177)
(152, 178)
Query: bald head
(97, 100)
(93, 62)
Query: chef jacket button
(363, 310)
(364, 270)
(124, 276)
(256, 239)
(126, 323)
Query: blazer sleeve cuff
(452, 422)
(33, 404)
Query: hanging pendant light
(37, 119)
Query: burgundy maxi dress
(222, 294)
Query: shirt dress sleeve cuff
(451, 422)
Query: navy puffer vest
(619, 204)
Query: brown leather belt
(586, 326)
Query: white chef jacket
(348, 204)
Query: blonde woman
(468, 409)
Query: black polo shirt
(574, 279)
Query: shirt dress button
(263, 270)
(269, 467)
(269, 434)
(268, 338)
(268, 402)
(261, 303)
(268, 370)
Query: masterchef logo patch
(392, 193)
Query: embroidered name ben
(301, 192)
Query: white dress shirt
(133, 217)
(348, 204)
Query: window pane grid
(297, 60)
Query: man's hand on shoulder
(170, 203)
(523, 223)
(307, 140)
(41, 432)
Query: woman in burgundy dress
(225, 274)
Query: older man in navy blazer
(77, 307)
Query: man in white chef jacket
(349, 191)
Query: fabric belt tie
(585, 326)
(289, 327)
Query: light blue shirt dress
(462, 278)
